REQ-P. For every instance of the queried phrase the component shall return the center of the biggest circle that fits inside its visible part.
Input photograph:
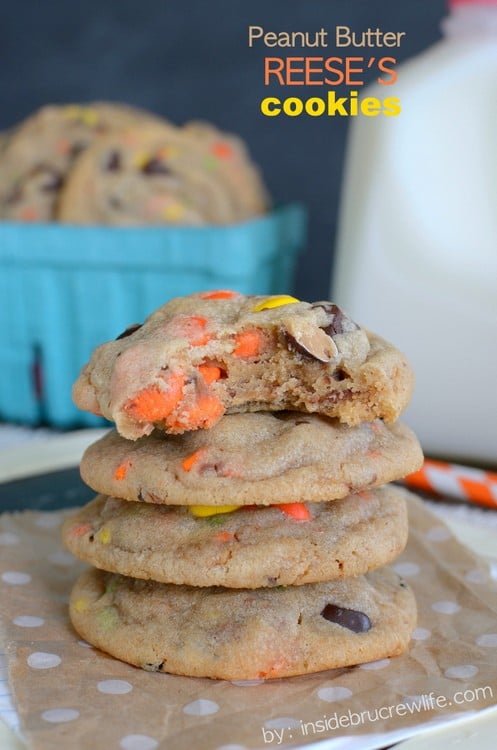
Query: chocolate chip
(340, 374)
(341, 323)
(155, 166)
(113, 162)
(14, 196)
(77, 148)
(53, 182)
(115, 203)
(283, 416)
(153, 666)
(217, 468)
(358, 622)
(129, 331)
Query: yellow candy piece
(279, 301)
(86, 115)
(202, 511)
(140, 159)
(72, 111)
(89, 116)
(81, 605)
(173, 212)
(104, 536)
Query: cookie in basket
(40, 151)
(228, 154)
(151, 176)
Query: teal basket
(65, 289)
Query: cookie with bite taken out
(207, 354)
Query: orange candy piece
(193, 329)
(297, 511)
(153, 404)
(63, 146)
(365, 494)
(274, 670)
(81, 529)
(203, 413)
(210, 373)
(219, 294)
(224, 536)
(189, 462)
(222, 150)
(248, 343)
(206, 411)
(122, 470)
(29, 213)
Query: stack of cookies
(245, 517)
(112, 164)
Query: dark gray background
(191, 59)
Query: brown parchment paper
(70, 695)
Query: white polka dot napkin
(65, 691)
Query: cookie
(200, 356)
(244, 634)
(247, 548)
(228, 155)
(40, 151)
(4, 139)
(260, 458)
(154, 175)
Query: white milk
(417, 244)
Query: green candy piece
(216, 520)
(211, 163)
(107, 618)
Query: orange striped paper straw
(456, 481)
